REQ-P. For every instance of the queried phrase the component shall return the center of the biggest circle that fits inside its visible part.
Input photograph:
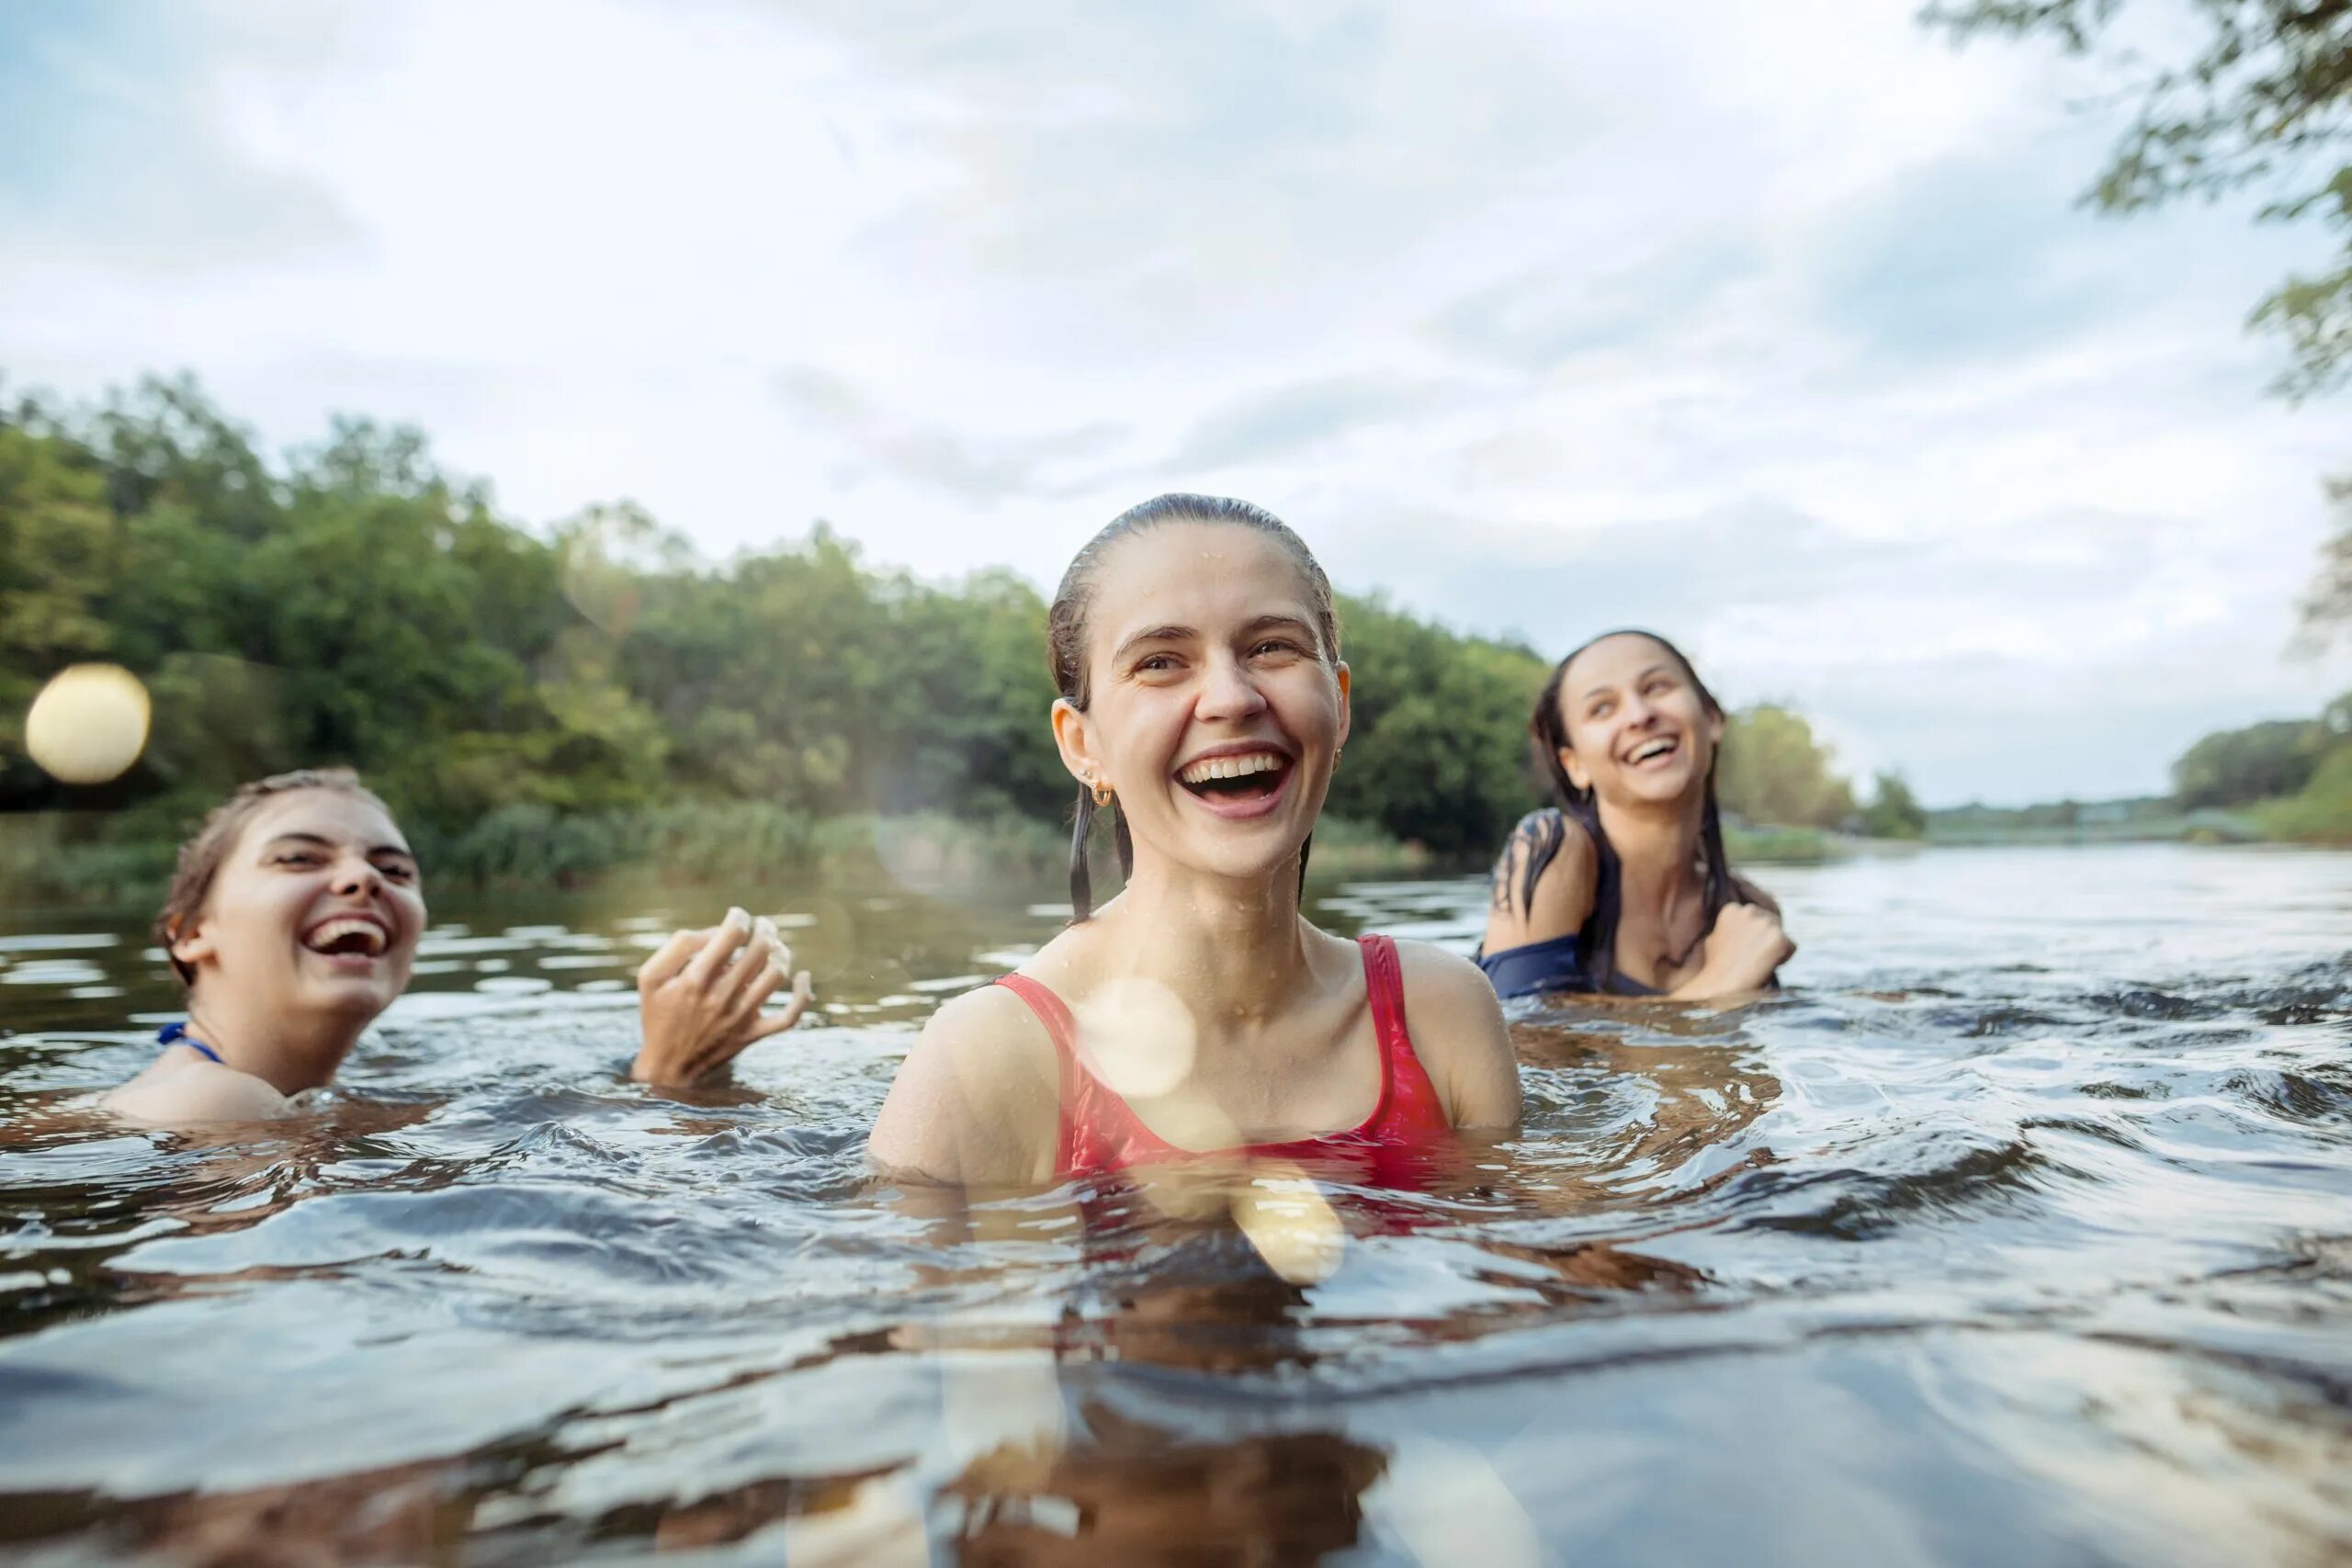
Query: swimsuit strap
(1063, 1029)
(1383, 984)
(178, 1034)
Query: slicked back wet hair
(1547, 737)
(201, 857)
(1066, 629)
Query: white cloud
(1771, 325)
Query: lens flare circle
(88, 725)
(1291, 1224)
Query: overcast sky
(1775, 327)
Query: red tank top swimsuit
(1100, 1133)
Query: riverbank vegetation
(2290, 780)
(591, 702)
(2282, 780)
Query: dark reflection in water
(2021, 1231)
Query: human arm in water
(1739, 954)
(701, 995)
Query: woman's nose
(1230, 694)
(357, 877)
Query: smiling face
(1213, 708)
(316, 909)
(1639, 729)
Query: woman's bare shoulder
(1429, 970)
(1543, 881)
(173, 1093)
(970, 1101)
(1457, 1028)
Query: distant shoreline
(74, 859)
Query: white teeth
(331, 931)
(1655, 748)
(1231, 767)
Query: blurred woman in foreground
(293, 921)
(1622, 886)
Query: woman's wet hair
(1547, 737)
(201, 857)
(1066, 628)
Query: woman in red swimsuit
(1198, 1013)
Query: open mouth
(1239, 781)
(348, 936)
(1653, 750)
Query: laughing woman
(1622, 885)
(1196, 651)
(293, 921)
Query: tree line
(356, 604)
(2293, 775)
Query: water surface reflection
(2021, 1231)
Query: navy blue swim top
(1554, 964)
(178, 1034)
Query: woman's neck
(1657, 851)
(1233, 950)
(289, 1056)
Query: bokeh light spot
(88, 725)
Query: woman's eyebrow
(1269, 623)
(1156, 634)
(321, 842)
(1593, 692)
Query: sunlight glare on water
(2018, 1231)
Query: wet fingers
(670, 958)
(725, 942)
(803, 992)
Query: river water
(2018, 1231)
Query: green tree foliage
(540, 705)
(536, 705)
(1893, 811)
(57, 544)
(2237, 767)
(2296, 778)
(2321, 812)
(1775, 770)
(1438, 753)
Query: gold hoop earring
(1102, 793)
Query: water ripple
(2020, 1231)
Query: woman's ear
(1347, 708)
(1573, 766)
(1716, 725)
(1071, 740)
(189, 942)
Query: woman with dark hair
(1622, 886)
(292, 921)
(1197, 654)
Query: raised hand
(1743, 950)
(700, 997)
